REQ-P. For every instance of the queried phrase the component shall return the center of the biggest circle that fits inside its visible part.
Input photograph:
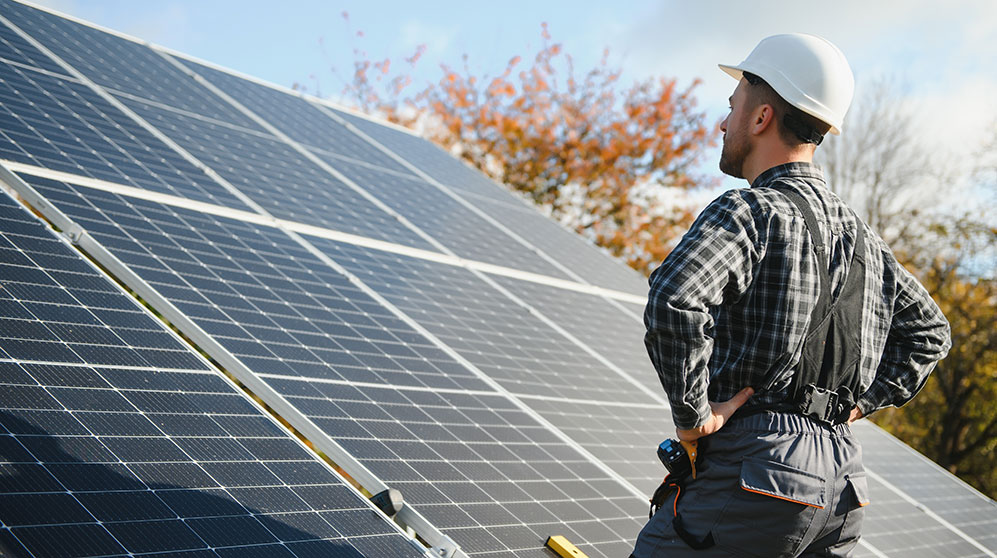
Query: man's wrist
(866, 407)
(693, 418)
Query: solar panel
(897, 527)
(522, 353)
(933, 489)
(433, 210)
(57, 123)
(449, 222)
(276, 177)
(302, 121)
(567, 248)
(120, 65)
(571, 252)
(14, 48)
(408, 315)
(428, 157)
(118, 439)
(610, 327)
(480, 468)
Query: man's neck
(764, 159)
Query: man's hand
(854, 415)
(721, 413)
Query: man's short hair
(795, 126)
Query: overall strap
(824, 384)
(822, 309)
(820, 248)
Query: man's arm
(919, 337)
(714, 260)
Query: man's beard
(735, 151)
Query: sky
(944, 54)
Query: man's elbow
(941, 337)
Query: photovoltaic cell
(256, 289)
(477, 467)
(446, 220)
(611, 331)
(119, 64)
(946, 495)
(895, 527)
(566, 247)
(429, 158)
(504, 340)
(426, 206)
(116, 439)
(58, 124)
(277, 177)
(14, 48)
(484, 471)
(526, 356)
(624, 437)
(613, 433)
(299, 119)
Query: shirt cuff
(868, 406)
(692, 414)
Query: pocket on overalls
(856, 497)
(772, 508)
(859, 486)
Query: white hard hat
(807, 71)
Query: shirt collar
(789, 170)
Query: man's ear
(762, 118)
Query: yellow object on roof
(563, 548)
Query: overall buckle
(825, 406)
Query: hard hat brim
(732, 71)
(737, 73)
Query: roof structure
(420, 325)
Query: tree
(896, 182)
(881, 166)
(953, 420)
(604, 159)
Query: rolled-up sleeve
(713, 261)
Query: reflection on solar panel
(118, 439)
(418, 323)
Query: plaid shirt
(730, 306)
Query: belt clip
(820, 404)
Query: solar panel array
(419, 324)
(118, 439)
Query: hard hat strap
(794, 123)
(794, 119)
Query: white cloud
(437, 38)
(166, 24)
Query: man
(781, 305)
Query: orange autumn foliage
(596, 154)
